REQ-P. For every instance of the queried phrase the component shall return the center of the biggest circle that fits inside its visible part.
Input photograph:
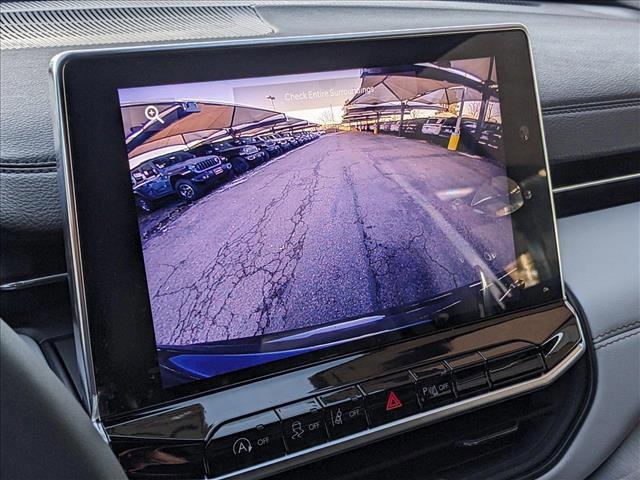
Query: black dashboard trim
(587, 401)
(73, 71)
(597, 197)
(583, 173)
(201, 417)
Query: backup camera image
(282, 215)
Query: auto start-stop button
(243, 443)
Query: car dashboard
(552, 392)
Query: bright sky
(316, 97)
(312, 96)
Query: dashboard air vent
(43, 24)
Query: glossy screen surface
(284, 215)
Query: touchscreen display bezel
(111, 301)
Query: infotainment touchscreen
(280, 215)
(264, 235)
(257, 209)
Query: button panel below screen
(311, 422)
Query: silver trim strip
(324, 450)
(33, 282)
(72, 243)
(72, 240)
(596, 183)
(546, 163)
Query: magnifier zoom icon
(152, 113)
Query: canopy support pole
(486, 96)
(484, 103)
(454, 139)
(401, 126)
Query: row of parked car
(189, 175)
(438, 130)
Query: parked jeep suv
(269, 147)
(284, 142)
(180, 173)
(241, 157)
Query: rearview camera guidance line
(281, 215)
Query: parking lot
(340, 227)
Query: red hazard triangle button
(393, 401)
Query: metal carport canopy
(167, 145)
(382, 109)
(214, 117)
(213, 122)
(135, 121)
(385, 85)
(424, 84)
(290, 125)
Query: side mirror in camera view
(498, 197)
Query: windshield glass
(165, 162)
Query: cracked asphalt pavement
(344, 226)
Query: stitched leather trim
(587, 106)
(603, 345)
(615, 331)
(29, 170)
(27, 164)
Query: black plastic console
(504, 370)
